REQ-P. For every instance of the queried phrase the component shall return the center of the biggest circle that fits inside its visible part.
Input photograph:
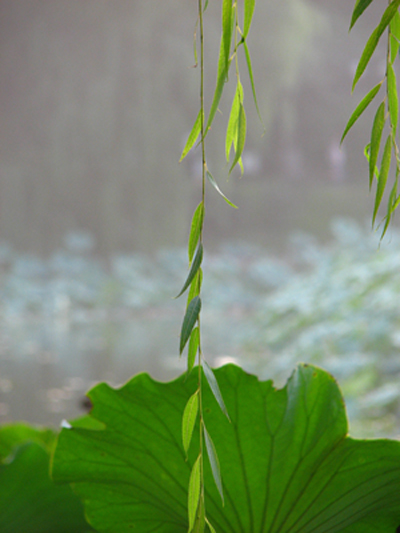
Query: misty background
(96, 101)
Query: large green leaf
(287, 464)
(29, 500)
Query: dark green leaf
(215, 185)
(29, 500)
(362, 106)
(287, 462)
(249, 6)
(214, 463)
(189, 320)
(383, 175)
(195, 229)
(194, 492)
(374, 39)
(193, 135)
(194, 343)
(193, 270)
(213, 383)
(376, 135)
(360, 7)
(392, 97)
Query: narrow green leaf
(193, 135)
(376, 135)
(374, 39)
(391, 204)
(195, 229)
(383, 175)
(210, 526)
(205, 6)
(194, 268)
(362, 106)
(241, 136)
(214, 463)
(251, 77)
(394, 48)
(211, 379)
(194, 343)
(199, 524)
(195, 286)
(393, 100)
(222, 76)
(249, 6)
(194, 492)
(227, 29)
(189, 420)
(215, 185)
(395, 26)
(359, 8)
(231, 130)
(189, 320)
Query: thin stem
(203, 158)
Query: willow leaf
(391, 204)
(195, 286)
(241, 136)
(212, 381)
(383, 175)
(189, 420)
(193, 135)
(395, 25)
(231, 130)
(194, 492)
(251, 77)
(222, 76)
(189, 320)
(359, 8)
(394, 48)
(249, 6)
(359, 110)
(195, 229)
(214, 463)
(227, 29)
(193, 270)
(374, 39)
(199, 525)
(376, 135)
(210, 526)
(215, 185)
(194, 343)
(392, 97)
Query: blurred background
(96, 100)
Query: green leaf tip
(216, 187)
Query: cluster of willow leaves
(218, 451)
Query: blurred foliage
(340, 310)
(97, 97)
(334, 305)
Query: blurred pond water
(71, 320)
